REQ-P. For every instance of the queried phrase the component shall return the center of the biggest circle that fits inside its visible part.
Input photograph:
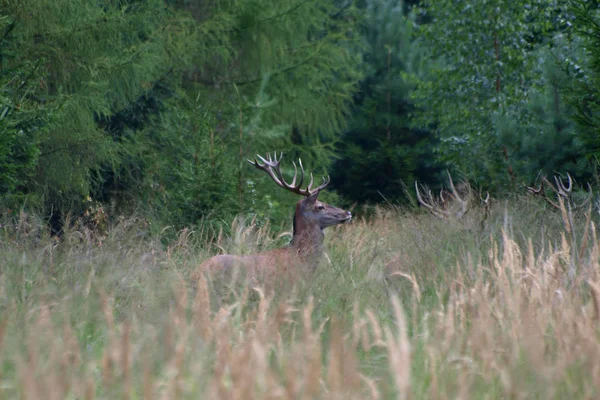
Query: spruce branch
(276, 73)
(8, 30)
(276, 16)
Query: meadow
(503, 303)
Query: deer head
(321, 214)
(312, 215)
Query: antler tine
(309, 187)
(266, 162)
(292, 187)
(442, 199)
(420, 197)
(552, 187)
(269, 166)
(296, 173)
(533, 190)
(454, 191)
(562, 189)
(541, 192)
(272, 165)
(487, 198)
(431, 198)
(463, 202)
(323, 184)
(431, 206)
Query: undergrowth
(404, 305)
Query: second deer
(306, 247)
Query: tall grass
(402, 306)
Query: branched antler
(271, 165)
(438, 207)
(564, 193)
(567, 207)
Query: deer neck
(307, 237)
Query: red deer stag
(305, 249)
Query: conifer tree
(380, 152)
(158, 103)
(66, 65)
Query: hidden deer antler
(439, 207)
(564, 193)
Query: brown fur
(302, 255)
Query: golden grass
(405, 307)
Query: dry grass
(404, 306)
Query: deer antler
(271, 165)
(485, 201)
(436, 207)
(563, 192)
(540, 191)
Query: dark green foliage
(544, 140)
(584, 95)
(380, 152)
(485, 90)
(76, 63)
(155, 105)
(18, 151)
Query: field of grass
(404, 305)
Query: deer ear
(312, 198)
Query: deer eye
(320, 207)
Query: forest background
(151, 108)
